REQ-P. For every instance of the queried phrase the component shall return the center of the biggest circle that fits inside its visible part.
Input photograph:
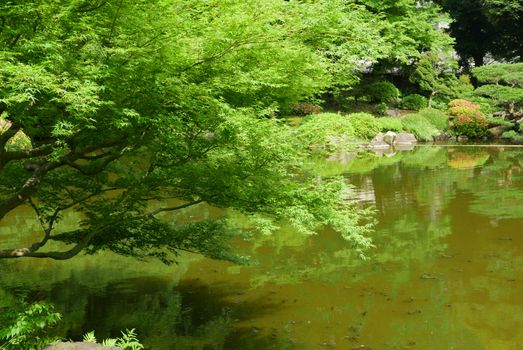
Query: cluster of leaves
(27, 328)
(418, 125)
(414, 102)
(365, 125)
(485, 27)
(436, 117)
(128, 340)
(467, 119)
(303, 109)
(501, 84)
(126, 126)
(379, 92)
(390, 124)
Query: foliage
(502, 84)
(434, 75)
(381, 108)
(390, 124)
(129, 126)
(381, 92)
(467, 119)
(128, 340)
(512, 135)
(436, 117)
(365, 125)
(419, 126)
(463, 104)
(28, 328)
(303, 109)
(355, 35)
(484, 27)
(497, 121)
(414, 102)
(315, 130)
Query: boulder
(79, 346)
(497, 131)
(442, 137)
(393, 112)
(462, 138)
(378, 142)
(390, 137)
(404, 138)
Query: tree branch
(186, 205)
(64, 255)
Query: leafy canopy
(133, 110)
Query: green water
(446, 273)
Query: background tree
(502, 84)
(483, 27)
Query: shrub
(390, 124)
(420, 127)
(365, 125)
(436, 117)
(495, 121)
(509, 134)
(414, 102)
(28, 329)
(381, 108)
(303, 109)
(467, 119)
(463, 103)
(382, 91)
(315, 129)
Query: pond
(446, 272)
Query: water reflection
(445, 273)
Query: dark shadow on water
(193, 315)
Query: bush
(436, 117)
(303, 109)
(365, 125)
(28, 328)
(419, 126)
(509, 134)
(414, 102)
(463, 103)
(390, 124)
(467, 119)
(382, 92)
(381, 108)
(315, 129)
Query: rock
(442, 137)
(79, 346)
(378, 142)
(404, 138)
(497, 131)
(393, 112)
(462, 138)
(389, 137)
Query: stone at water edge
(497, 131)
(378, 143)
(405, 138)
(79, 346)
(442, 137)
(390, 137)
